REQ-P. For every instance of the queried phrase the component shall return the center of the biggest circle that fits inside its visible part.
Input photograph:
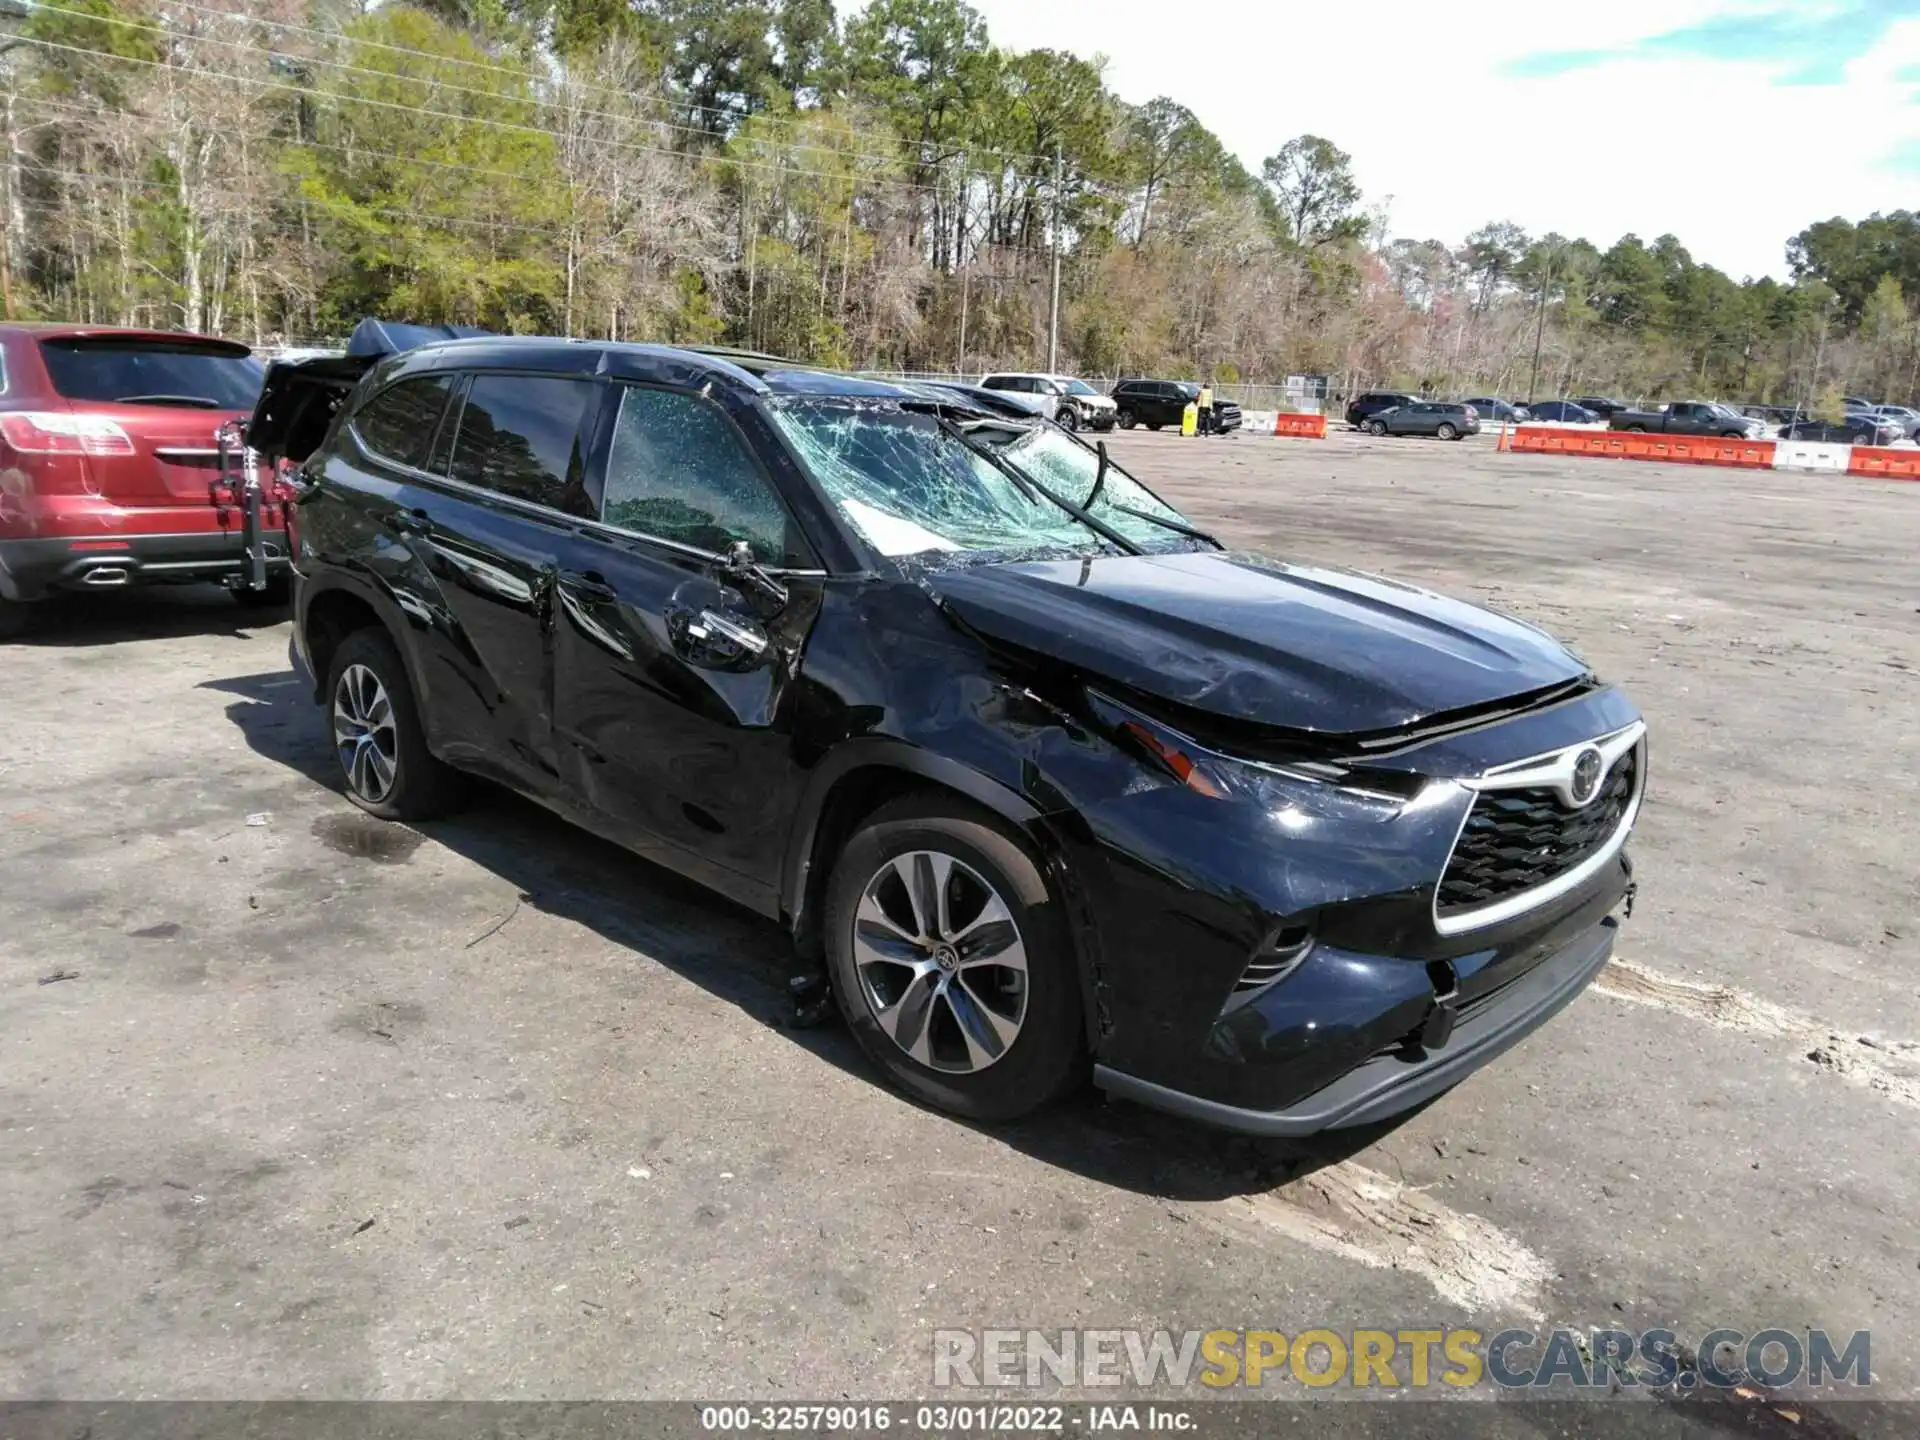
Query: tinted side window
(399, 422)
(520, 436)
(679, 470)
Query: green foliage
(1313, 181)
(862, 191)
(412, 182)
(105, 28)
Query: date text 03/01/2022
(942, 1419)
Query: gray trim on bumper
(30, 568)
(1387, 1085)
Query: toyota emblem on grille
(1585, 783)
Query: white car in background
(1070, 403)
(1905, 416)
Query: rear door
(675, 682)
(168, 396)
(491, 532)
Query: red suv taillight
(50, 432)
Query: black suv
(1363, 408)
(1047, 781)
(1154, 403)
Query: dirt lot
(333, 1109)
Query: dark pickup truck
(1688, 417)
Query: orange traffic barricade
(1637, 445)
(1306, 427)
(1880, 464)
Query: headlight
(1294, 795)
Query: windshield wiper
(1029, 486)
(1178, 526)
(1099, 476)
(199, 401)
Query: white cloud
(1714, 152)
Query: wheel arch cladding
(869, 776)
(328, 619)
(335, 611)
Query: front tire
(15, 618)
(1068, 419)
(952, 963)
(377, 738)
(1125, 420)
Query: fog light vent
(1279, 959)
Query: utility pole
(1053, 310)
(1539, 331)
(965, 276)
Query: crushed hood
(1253, 640)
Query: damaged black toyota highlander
(1051, 782)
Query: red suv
(110, 465)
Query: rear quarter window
(400, 422)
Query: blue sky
(1808, 44)
(1730, 123)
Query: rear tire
(1153, 425)
(15, 618)
(1376, 427)
(977, 1010)
(1447, 432)
(375, 722)
(1636, 429)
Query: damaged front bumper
(1395, 1080)
(1276, 964)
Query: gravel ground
(332, 1109)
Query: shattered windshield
(913, 488)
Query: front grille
(1515, 840)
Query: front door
(674, 684)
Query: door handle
(409, 522)
(589, 586)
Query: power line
(371, 152)
(526, 75)
(306, 144)
(666, 101)
(416, 217)
(418, 111)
